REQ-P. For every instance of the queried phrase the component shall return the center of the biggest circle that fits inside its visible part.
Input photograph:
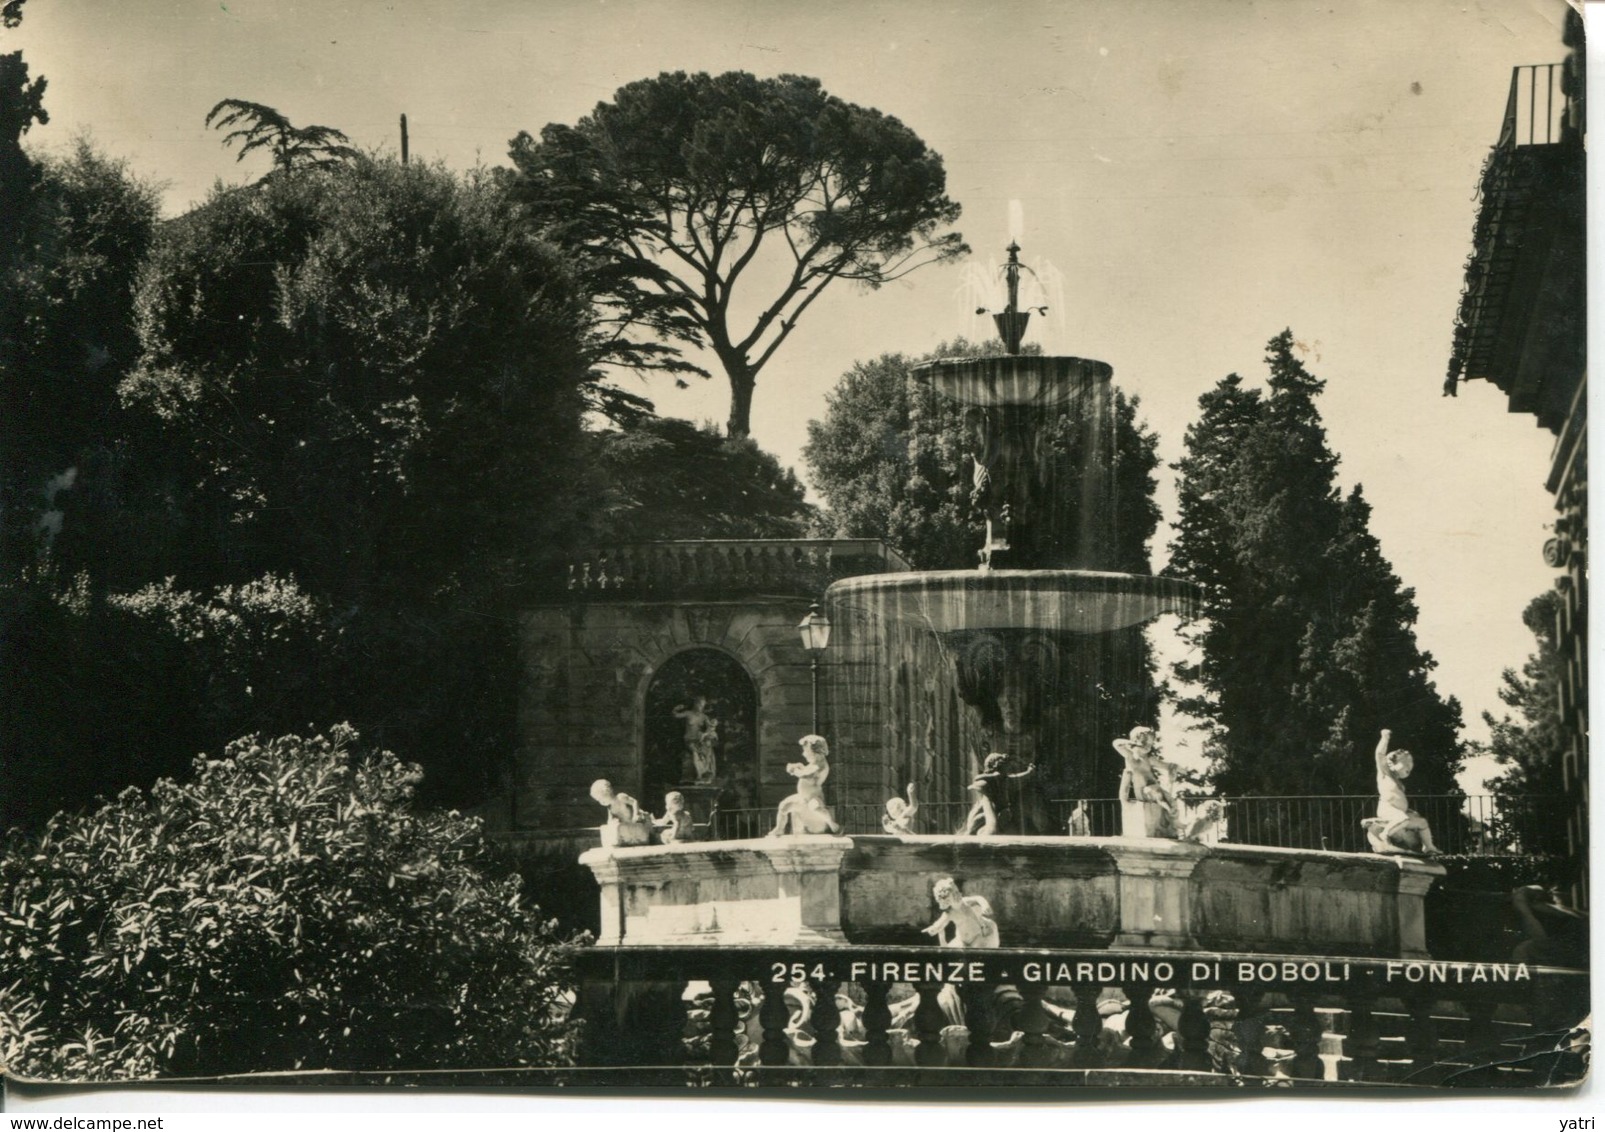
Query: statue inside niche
(626, 823)
(701, 740)
(1396, 828)
(805, 811)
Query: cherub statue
(1396, 828)
(970, 917)
(675, 825)
(701, 738)
(1079, 825)
(1143, 779)
(805, 811)
(982, 820)
(626, 824)
(899, 816)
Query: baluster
(1033, 1022)
(1480, 1034)
(1360, 1043)
(1251, 1030)
(1307, 1030)
(1192, 1035)
(774, 1050)
(877, 1020)
(722, 1022)
(979, 1020)
(827, 1023)
(1088, 1027)
(1140, 1036)
(1421, 1034)
(1225, 1049)
(929, 1018)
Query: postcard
(754, 547)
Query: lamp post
(815, 633)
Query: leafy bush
(286, 909)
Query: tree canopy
(1529, 740)
(676, 186)
(258, 127)
(374, 372)
(1306, 641)
(286, 908)
(671, 479)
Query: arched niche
(691, 693)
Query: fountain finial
(1011, 321)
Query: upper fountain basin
(1082, 601)
(1013, 379)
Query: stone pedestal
(780, 892)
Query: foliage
(890, 460)
(66, 340)
(670, 479)
(288, 908)
(292, 147)
(679, 182)
(22, 104)
(1306, 635)
(374, 372)
(1529, 745)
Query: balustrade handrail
(681, 566)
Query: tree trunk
(741, 382)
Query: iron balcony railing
(1535, 112)
(1484, 825)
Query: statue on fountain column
(805, 811)
(626, 823)
(1147, 806)
(675, 826)
(982, 820)
(701, 739)
(1396, 828)
(899, 817)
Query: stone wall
(587, 667)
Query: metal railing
(1484, 825)
(1536, 110)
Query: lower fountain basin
(1051, 892)
(1083, 601)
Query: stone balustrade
(772, 1016)
(725, 567)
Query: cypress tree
(1305, 645)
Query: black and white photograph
(731, 548)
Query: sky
(1187, 178)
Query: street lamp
(815, 633)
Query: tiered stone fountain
(1019, 630)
